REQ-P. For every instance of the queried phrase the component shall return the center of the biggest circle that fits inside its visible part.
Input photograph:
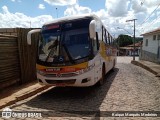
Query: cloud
(114, 15)
(110, 21)
(76, 9)
(151, 3)
(149, 17)
(12, 20)
(137, 7)
(5, 9)
(61, 2)
(41, 6)
(117, 8)
(118, 11)
(102, 14)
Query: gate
(17, 58)
(9, 60)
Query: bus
(74, 51)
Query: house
(151, 46)
(129, 49)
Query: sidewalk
(150, 66)
(14, 94)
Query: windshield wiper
(69, 55)
(53, 48)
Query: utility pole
(134, 37)
(118, 45)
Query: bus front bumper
(82, 80)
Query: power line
(152, 22)
(150, 14)
(148, 18)
(125, 30)
(155, 21)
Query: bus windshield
(76, 43)
(65, 44)
(49, 46)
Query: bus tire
(101, 81)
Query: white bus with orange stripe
(74, 51)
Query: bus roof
(68, 18)
(74, 17)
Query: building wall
(152, 44)
(152, 51)
(148, 56)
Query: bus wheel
(101, 81)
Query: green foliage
(138, 39)
(124, 40)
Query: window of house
(146, 42)
(154, 37)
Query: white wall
(152, 44)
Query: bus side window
(97, 41)
(95, 44)
(104, 34)
(106, 37)
(109, 39)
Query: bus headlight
(86, 69)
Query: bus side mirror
(92, 29)
(30, 34)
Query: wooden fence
(17, 59)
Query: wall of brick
(9, 31)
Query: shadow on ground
(71, 101)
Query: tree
(124, 40)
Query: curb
(12, 100)
(144, 66)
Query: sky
(113, 13)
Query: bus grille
(61, 75)
(50, 75)
(71, 81)
(69, 74)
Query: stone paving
(127, 88)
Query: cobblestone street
(127, 88)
